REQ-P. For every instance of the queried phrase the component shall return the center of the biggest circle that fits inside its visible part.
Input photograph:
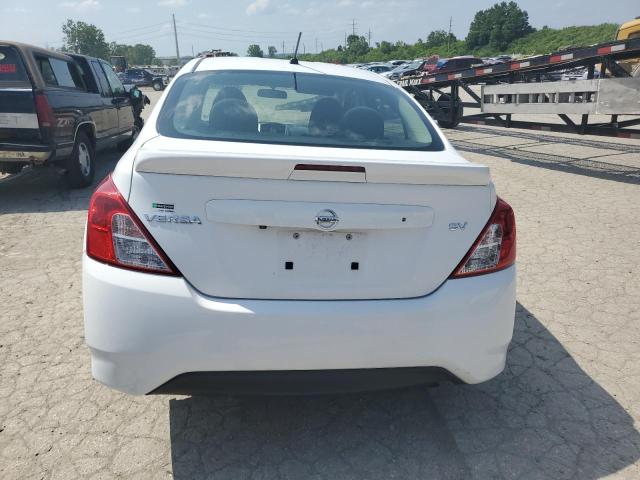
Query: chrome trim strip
(75, 134)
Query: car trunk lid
(245, 221)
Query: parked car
(456, 63)
(379, 68)
(396, 63)
(142, 78)
(248, 242)
(503, 58)
(431, 63)
(58, 109)
(406, 69)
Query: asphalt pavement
(566, 406)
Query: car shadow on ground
(44, 189)
(543, 417)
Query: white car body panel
(144, 330)
(236, 307)
(396, 260)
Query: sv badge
(455, 226)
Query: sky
(234, 24)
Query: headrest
(363, 122)
(233, 115)
(325, 116)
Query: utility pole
(353, 26)
(369, 36)
(192, 51)
(316, 45)
(283, 55)
(345, 39)
(449, 37)
(175, 35)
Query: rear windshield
(11, 66)
(296, 109)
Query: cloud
(172, 3)
(16, 10)
(203, 15)
(345, 3)
(258, 7)
(81, 4)
(134, 9)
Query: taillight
(116, 236)
(495, 247)
(44, 111)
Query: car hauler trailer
(522, 87)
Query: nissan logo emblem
(327, 219)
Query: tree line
(87, 39)
(502, 28)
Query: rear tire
(448, 123)
(81, 165)
(157, 86)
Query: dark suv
(59, 109)
(142, 78)
(456, 63)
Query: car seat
(325, 116)
(233, 115)
(363, 122)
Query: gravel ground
(565, 407)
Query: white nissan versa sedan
(290, 228)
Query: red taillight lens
(495, 248)
(44, 111)
(116, 236)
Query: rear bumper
(24, 153)
(301, 382)
(143, 330)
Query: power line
(144, 38)
(222, 34)
(241, 29)
(210, 37)
(139, 28)
(138, 37)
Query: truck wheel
(81, 165)
(157, 86)
(443, 102)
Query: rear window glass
(297, 109)
(60, 73)
(11, 66)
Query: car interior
(301, 109)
